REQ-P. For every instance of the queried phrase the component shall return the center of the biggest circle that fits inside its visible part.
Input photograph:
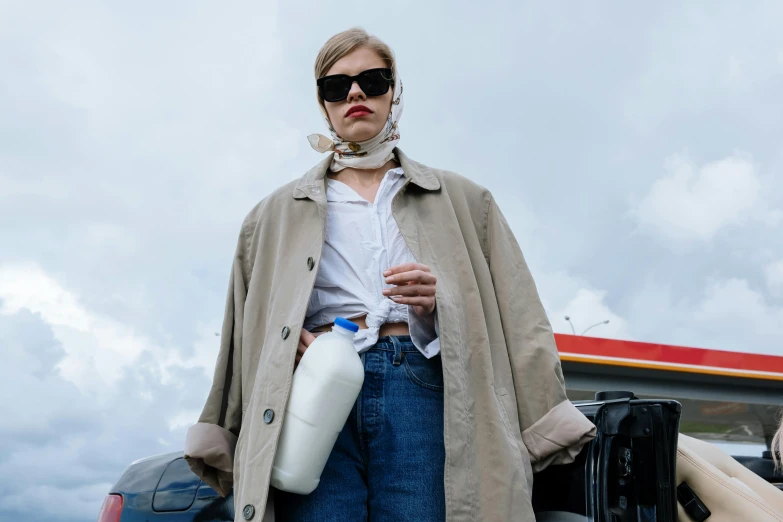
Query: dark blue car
(163, 488)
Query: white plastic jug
(325, 387)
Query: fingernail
(386, 291)
(386, 272)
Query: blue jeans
(387, 463)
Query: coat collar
(313, 181)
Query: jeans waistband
(387, 343)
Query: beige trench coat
(505, 409)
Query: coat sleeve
(210, 443)
(553, 430)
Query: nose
(356, 93)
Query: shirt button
(310, 263)
(269, 416)
(248, 512)
(285, 332)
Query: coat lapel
(419, 174)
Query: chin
(361, 131)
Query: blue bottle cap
(345, 323)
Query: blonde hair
(345, 43)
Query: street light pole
(596, 324)
(570, 323)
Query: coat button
(248, 512)
(269, 415)
(285, 332)
(310, 263)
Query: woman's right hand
(305, 339)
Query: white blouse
(362, 240)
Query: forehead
(357, 61)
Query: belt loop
(397, 350)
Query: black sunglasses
(374, 82)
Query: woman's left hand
(415, 287)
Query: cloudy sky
(636, 151)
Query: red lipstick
(357, 111)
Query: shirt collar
(419, 174)
(339, 192)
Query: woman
(463, 396)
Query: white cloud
(89, 395)
(589, 315)
(774, 274)
(97, 347)
(69, 441)
(696, 202)
(734, 303)
(727, 314)
(184, 419)
(57, 503)
(688, 74)
(564, 294)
